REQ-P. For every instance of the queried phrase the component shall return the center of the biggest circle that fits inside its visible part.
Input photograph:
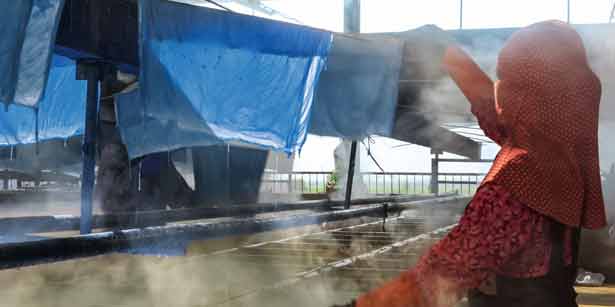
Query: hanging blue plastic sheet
(27, 36)
(60, 113)
(212, 76)
(357, 93)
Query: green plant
(331, 182)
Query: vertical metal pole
(460, 14)
(89, 146)
(229, 181)
(5, 180)
(353, 157)
(435, 173)
(352, 16)
(352, 24)
(568, 11)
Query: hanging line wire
(371, 141)
(219, 5)
(36, 149)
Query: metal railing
(402, 183)
(295, 182)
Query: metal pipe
(568, 11)
(92, 75)
(351, 165)
(460, 14)
(352, 24)
(435, 173)
(352, 16)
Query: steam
(196, 280)
(342, 158)
(443, 102)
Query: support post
(435, 172)
(352, 24)
(91, 72)
(460, 14)
(568, 11)
(351, 165)
(5, 180)
(352, 16)
(37, 179)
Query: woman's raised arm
(477, 88)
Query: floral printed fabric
(496, 235)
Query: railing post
(352, 16)
(460, 14)
(435, 171)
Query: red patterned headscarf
(547, 102)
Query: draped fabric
(357, 93)
(210, 76)
(27, 36)
(61, 113)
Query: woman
(521, 227)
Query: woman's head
(545, 79)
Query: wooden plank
(596, 296)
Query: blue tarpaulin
(210, 76)
(357, 93)
(61, 113)
(27, 36)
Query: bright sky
(401, 15)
